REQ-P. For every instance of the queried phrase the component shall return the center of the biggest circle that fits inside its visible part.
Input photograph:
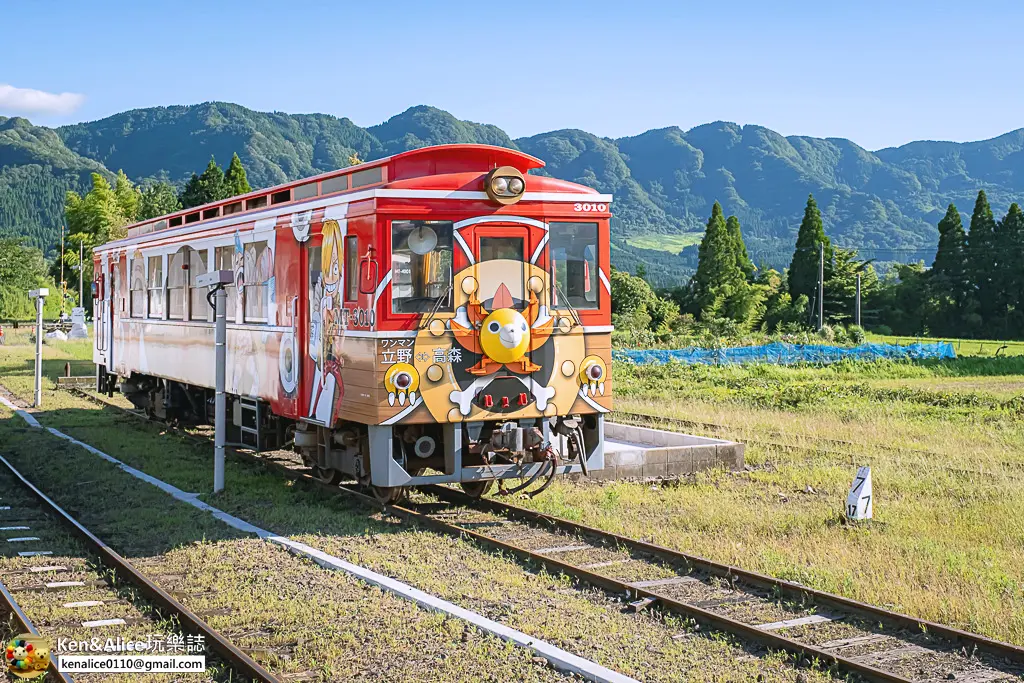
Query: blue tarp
(785, 354)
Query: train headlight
(505, 185)
(593, 373)
(401, 380)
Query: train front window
(421, 266)
(573, 256)
(494, 248)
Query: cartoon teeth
(592, 376)
(401, 380)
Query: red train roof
(416, 163)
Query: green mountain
(36, 171)
(886, 203)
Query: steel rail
(231, 654)
(731, 573)
(26, 626)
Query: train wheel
(328, 475)
(477, 489)
(388, 494)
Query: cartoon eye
(524, 327)
(494, 326)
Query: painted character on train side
(326, 329)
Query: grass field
(947, 542)
(671, 243)
(945, 440)
(364, 637)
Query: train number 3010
(589, 207)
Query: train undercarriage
(387, 459)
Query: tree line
(974, 288)
(100, 215)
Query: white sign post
(78, 328)
(858, 502)
(39, 295)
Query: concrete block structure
(644, 453)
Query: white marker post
(39, 295)
(858, 502)
(217, 279)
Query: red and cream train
(440, 315)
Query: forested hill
(887, 202)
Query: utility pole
(81, 273)
(857, 308)
(63, 286)
(821, 285)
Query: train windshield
(421, 266)
(573, 250)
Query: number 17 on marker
(858, 502)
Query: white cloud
(28, 101)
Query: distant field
(963, 347)
(670, 243)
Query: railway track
(814, 627)
(57, 557)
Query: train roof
(440, 167)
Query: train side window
(573, 258)
(256, 272)
(351, 268)
(421, 266)
(198, 308)
(225, 258)
(156, 286)
(138, 287)
(177, 276)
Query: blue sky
(878, 73)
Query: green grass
(670, 243)
(359, 634)
(947, 542)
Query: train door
(321, 388)
(110, 309)
(311, 321)
(513, 248)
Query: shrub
(827, 333)
(856, 334)
(883, 330)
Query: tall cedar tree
(235, 181)
(717, 271)
(981, 255)
(742, 258)
(206, 188)
(803, 271)
(949, 270)
(1008, 277)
